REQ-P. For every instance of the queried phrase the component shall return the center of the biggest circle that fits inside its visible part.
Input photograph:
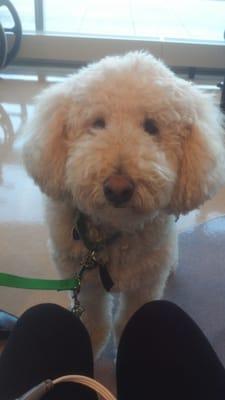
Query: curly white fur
(173, 171)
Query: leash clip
(77, 308)
(89, 262)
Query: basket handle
(89, 382)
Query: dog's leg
(97, 316)
(96, 302)
(131, 301)
(174, 256)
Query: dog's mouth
(120, 202)
(121, 218)
(123, 205)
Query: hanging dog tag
(77, 308)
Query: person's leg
(164, 355)
(47, 342)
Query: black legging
(162, 355)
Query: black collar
(80, 232)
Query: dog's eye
(150, 126)
(99, 123)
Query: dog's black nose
(118, 189)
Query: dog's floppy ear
(201, 163)
(45, 147)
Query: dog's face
(125, 138)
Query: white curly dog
(128, 146)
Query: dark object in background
(222, 101)
(221, 85)
(7, 323)
(9, 51)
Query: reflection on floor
(23, 234)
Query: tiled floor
(23, 234)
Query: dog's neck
(96, 243)
(93, 235)
(99, 231)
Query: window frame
(68, 49)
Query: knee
(154, 316)
(159, 309)
(44, 317)
(41, 312)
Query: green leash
(38, 284)
(74, 284)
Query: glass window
(171, 19)
(25, 9)
(178, 31)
